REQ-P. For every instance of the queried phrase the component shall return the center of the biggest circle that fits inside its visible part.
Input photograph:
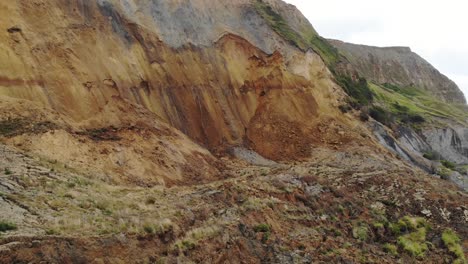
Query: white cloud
(436, 30)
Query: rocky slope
(400, 66)
(137, 131)
(407, 85)
(100, 65)
(337, 207)
(229, 80)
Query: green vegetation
(10, 127)
(431, 155)
(7, 171)
(407, 224)
(265, 229)
(262, 228)
(413, 106)
(7, 226)
(411, 232)
(329, 54)
(150, 200)
(414, 243)
(280, 26)
(444, 173)
(453, 243)
(361, 232)
(448, 164)
(391, 249)
(148, 229)
(381, 115)
(52, 232)
(358, 89)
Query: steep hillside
(174, 131)
(426, 111)
(222, 82)
(402, 67)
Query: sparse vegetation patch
(7, 226)
(453, 243)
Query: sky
(436, 30)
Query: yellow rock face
(93, 66)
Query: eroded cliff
(201, 131)
(425, 110)
(400, 66)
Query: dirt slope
(121, 124)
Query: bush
(265, 229)
(359, 90)
(364, 116)
(448, 164)
(444, 173)
(431, 155)
(7, 226)
(411, 118)
(381, 115)
(361, 232)
(345, 108)
(452, 242)
(8, 171)
(408, 224)
(414, 231)
(414, 243)
(262, 228)
(391, 249)
(148, 229)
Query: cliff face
(214, 70)
(404, 84)
(400, 66)
(201, 131)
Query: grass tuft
(453, 243)
(414, 243)
(7, 226)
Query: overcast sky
(436, 30)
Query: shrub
(148, 229)
(361, 232)
(265, 229)
(150, 200)
(414, 243)
(7, 226)
(431, 155)
(381, 115)
(411, 118)
(345, 108)
(364, 115)
(400, 108)
(11, 127)
(448, 164)
(188, 245)
(452, 242)
(358, 89)
(444, 173)
(8, 171)
(262, 228)
(391, 249)
(414, 239)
